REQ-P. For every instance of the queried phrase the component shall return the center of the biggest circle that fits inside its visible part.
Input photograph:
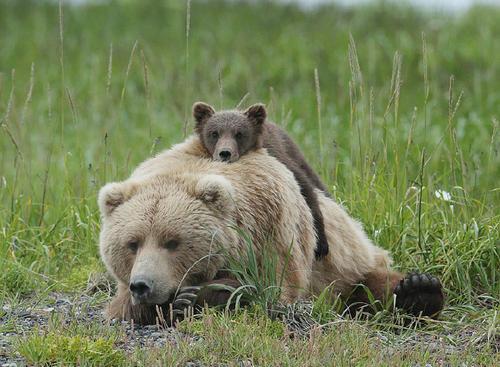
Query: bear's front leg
(214, 293)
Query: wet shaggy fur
(228, 135)
(183, 194)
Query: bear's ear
(114, 194)
(201, 113)
(256, 113)
(215, 191)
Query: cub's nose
(225, 155)
(140, 288)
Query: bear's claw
(420, 294)
(185, 298)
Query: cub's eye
(133, 246)
(171, 244)
(239, 135)
(214, 134)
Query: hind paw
(420, 294)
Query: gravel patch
(21, 318)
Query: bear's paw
(184, 302)
(420, 294)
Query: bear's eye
(171, 244)
(214, 134)
(239, 135)
(133, 246)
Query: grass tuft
(53, 348)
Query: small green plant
(327, 305)
(54, 348)
(16, 278)
(79, 276)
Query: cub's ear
(216, 191)
(114, 194)
(201, 113)
(256, 113)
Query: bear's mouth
(153, 298)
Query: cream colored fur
(182, 192)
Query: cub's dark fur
(227, 135)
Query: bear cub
(227, 135)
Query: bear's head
(165, 232)
(227, 135)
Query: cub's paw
(420, 294)
(184, 302)
(321, 249)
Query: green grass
(408, 107)
(53, 348)
(253, 338)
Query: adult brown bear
(163, 228)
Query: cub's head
(227, 135)
(165, 232)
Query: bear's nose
(225, 155)
(140, 289)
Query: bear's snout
(226, 154)
(151, 280)
(226, 150)
(141, 289)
